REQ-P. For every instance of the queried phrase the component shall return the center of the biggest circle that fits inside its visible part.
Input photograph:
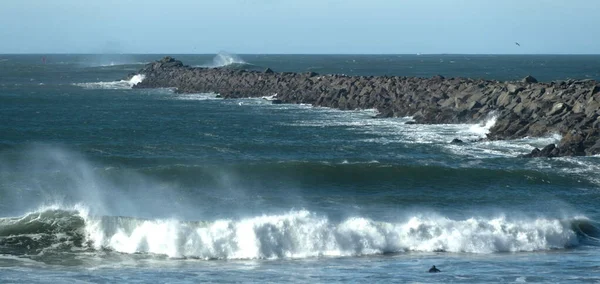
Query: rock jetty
(523, 108)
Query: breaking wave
(483, 128)
(297, 234)
(114, 85)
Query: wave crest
(297, 234)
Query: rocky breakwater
(523, 108)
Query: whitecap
(114, 85)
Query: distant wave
(297, 234)
(225, 59)
(122, 84)
(111, 64)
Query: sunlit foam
(301, 234)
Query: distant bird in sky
(517, 43)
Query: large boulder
(529, 79)
(594, 149)
(549, 151)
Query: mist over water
(39, 176)
(100, 181)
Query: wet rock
(456, 141)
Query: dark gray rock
(549, 151)
(594, 149)
(269, 71)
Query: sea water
(102, 183)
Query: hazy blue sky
(300, 26)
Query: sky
(301, 26)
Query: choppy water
(102, 183)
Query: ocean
(102, 183)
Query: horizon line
(412, 54)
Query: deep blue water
(103, 183)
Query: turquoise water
(102, 183)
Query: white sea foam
(300, 234)
(122, 84)
(395, 130)
(482, 129)
(197, 97)
(387, 131)
(113, 63)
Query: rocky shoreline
(523, 108)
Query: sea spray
(46, 175)
(223, 59)
(483, 128)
